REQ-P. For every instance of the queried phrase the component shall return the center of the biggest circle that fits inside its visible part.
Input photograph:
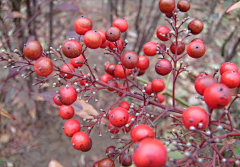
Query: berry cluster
(199, 130)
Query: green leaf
(234, 145)
(9, 95)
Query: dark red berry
(66, 112)
(68, 95)
(196, 49)
(129, 59)
(33, 50)
(113, 34)
(196, 26)
(183, 5)
(43, 66)
(67, 68)
(72, 49)
(166, 6)
(163, 67)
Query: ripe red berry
(56, 99)
(231, 79)
(159, 98)
(195, 117)
(166, 6)
(143, 63)
(196, 49)
(203, 82)
(129, 59)
(95, 164)
(119, 72)
(113, 130)
(88, 147)
(228, 66)
(183, 5)
(196, 26)
(125, 159)
(217, 96)
(72, 49)
(71, 127)
(77, 62)
(162, 32)
(150, 153)
(67, 68)
(197, 40)
(150, 49)
(82, 25)
(180, 47)
(121, 24)
(85, 80)
(124, 104)
(105, 44)
(113, 84)
(106, 77)
(118, 45)
(118, 117)
(128, 127)
(43, 66)
(66, 112)
(202, 75)
(158, 85)
(123, 87)
(113, 34)
(80, 141)
(33, 50)
(163, 67)
(110, 68)
(148, 89)
(141, 132)
(103, 36)
(106, 162)
(111, 151)
(68, 95)
(92, 39)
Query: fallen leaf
(5, 113)
(4, 138)
(54, 163)
(233, 7)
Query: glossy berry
(143, 63)
(106, 77)
(202, 75)
(103, 36)
(150, 49)
(82, 25)
(112, 83)
(162, 32)
(231, 79)
(118, 46)
(43, 66)
(183, 5)
(111, 152)
(71, 49)
(129, 59)
(217, 96)
(159, 98)
(77, 62)
(163, 67)
(148, 89)
(203, 82)
(113, 34)
(195, 117)
(124, 104)
(92, 39)
(180, 49)
(162, 47)
(88, 147)
(140, 132)
(71, 127)
(80, 141)
(112, 129)
(106, 162)
(158, 85)
(166, 6)
(56, 99)
(121, 24)
(197, 40)
(125, 159)
(118, 117)
(105, 44)
(33, 50)
(196, 49)
(228, 66)
(66, 112)
(67, 68)
(196, 26)
(68, 95)
(110, 68)
(119, 71)
(95, 164)
(150, 153)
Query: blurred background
(35, 136)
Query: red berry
(88, 147)
(56, 99)
(180, 49)
(111, 151)
(121, 24)
(66, 112)
(228, 66)
(110, 68)
(197, 40)
(196, 49)
(113, 34)
(77, 62)
(129, 59)
(162, 32)
(82, 25)
(118, 117)
(113, 130)
(106, 162)
(43, 66)
(202, 75)
(217, 96)
(92, 39)
(67, 68)
(183, 5)
(196, 26)
(33, 50)
(119, 72)
(113, 84)
(166, 6)
(71, 127)
(124, 104)
(128, 126)
(143, 63)
(150, 153)
(72, 49)
(123, 87)
(231, 79)
(125, 159)
(159, 98)
(84, 81)
(203, 82)
(80, 141)
(148, 89)
(106, 77)
(68, 95)
(163, 67)
(105, 44)
(141, 132)
(103, 36)
(158, 85)
(96, 164)
(118, 45)
(150, 49)
(195, 117)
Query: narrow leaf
(5, 113)
(15, 72)
(9, 95)
(233, 7)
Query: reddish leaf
(15, 72)
(233, 7)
